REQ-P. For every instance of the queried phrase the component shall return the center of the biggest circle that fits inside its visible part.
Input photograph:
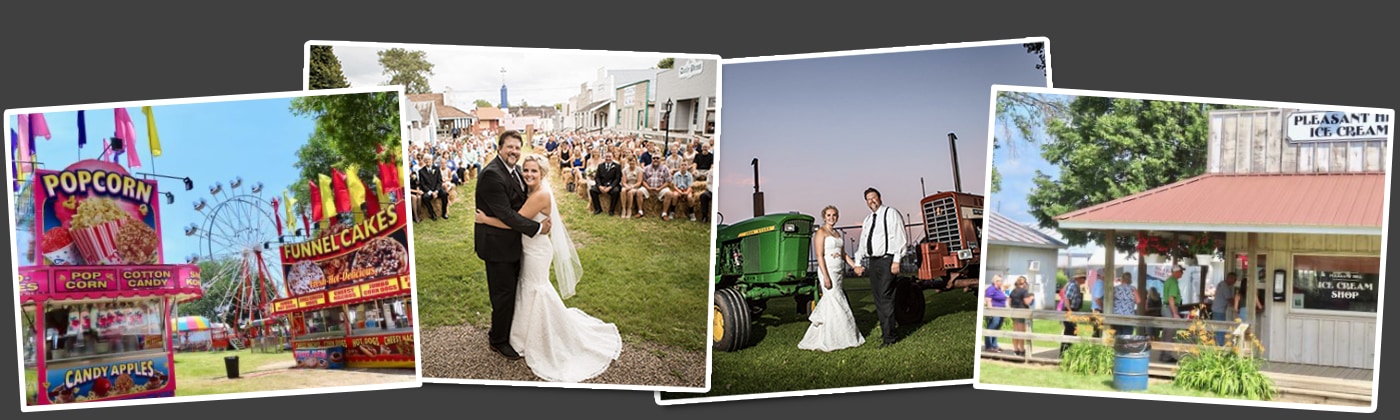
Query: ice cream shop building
(1298, 199)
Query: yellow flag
(151, 130)
(327, 197)
(289, 202)
(357, 191)
(379, 189)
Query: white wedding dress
(833, 326)
(560, 344)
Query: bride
(833, 327)
(560, 344)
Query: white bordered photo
(588, 269)
(1249, 242)
(818, 149)
(174, 250)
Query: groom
(882, 239)
(500, 192)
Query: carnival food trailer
(96, 299)
(350, 298)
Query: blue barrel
(1131, 354)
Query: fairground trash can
(1131, 354)
(231, 365)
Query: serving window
(1336, 283)
(87, 329)
(382, 316)
(323, 323)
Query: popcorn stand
(351, 301)
(97, 298)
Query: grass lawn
(649, 277)
(202, 373)
(940, 349)
(1041, 376)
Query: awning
(1265, 203)
(594, 106)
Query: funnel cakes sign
(375, 248)
(94, 213)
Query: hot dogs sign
(95, 213)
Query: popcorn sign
(95, 213)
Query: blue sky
(824, 129)
(207, 142)
(1018, 160)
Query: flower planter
(1204, 259)
(1155, 259)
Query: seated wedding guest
(703, 160)
(681, 181)
(447, 183)
(631, 186)
(656, 182)
(416, 195)
(701, 197)
(645, 158)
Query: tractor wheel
(805, 304)
(731, 323)
(908, 303)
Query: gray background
(61, 53)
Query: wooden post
(1250, 297)
(1110, 250)
(1142, 279)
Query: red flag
(389, 176)
(371, 201)
(342, 193)
(315, 203)
(306, 223)
(277, 216)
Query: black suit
(500, 195)
(431, 179)
(609, 175)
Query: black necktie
(870, 234)
(519, 179)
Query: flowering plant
(1205, 244)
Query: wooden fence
(1236, 330)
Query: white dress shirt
(884, 217)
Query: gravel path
(460, 352)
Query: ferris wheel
(239, 235)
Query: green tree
(1021, 116)
(666, 63)
(325, 70)
(408, 68)
(482, 103)
(524, 104)
(1037, 48)
(1108, 148)
(219, 282)
(350, 129)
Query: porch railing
(1236, 330)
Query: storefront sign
(33, 282)
(148, 278)
(108, 380)
(86, 280)
(629, 96)
(1345, 286)
(690, 68)
(384, 287)
(284, 306)
(345, 294)
(95, 213)
(320, 358)
(394, 345)
(404, 282)
(311, 300)
(1320, 126)
(373, 249)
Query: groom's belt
(876, 257)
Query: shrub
(1088, 358)
(1224, 371)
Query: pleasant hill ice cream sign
(1324, 126)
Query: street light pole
(666, 128)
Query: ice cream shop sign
(1321, 126)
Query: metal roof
(1339, 203)
(1001, 230)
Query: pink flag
(22, 152)
(133, 160)
(38, 126)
